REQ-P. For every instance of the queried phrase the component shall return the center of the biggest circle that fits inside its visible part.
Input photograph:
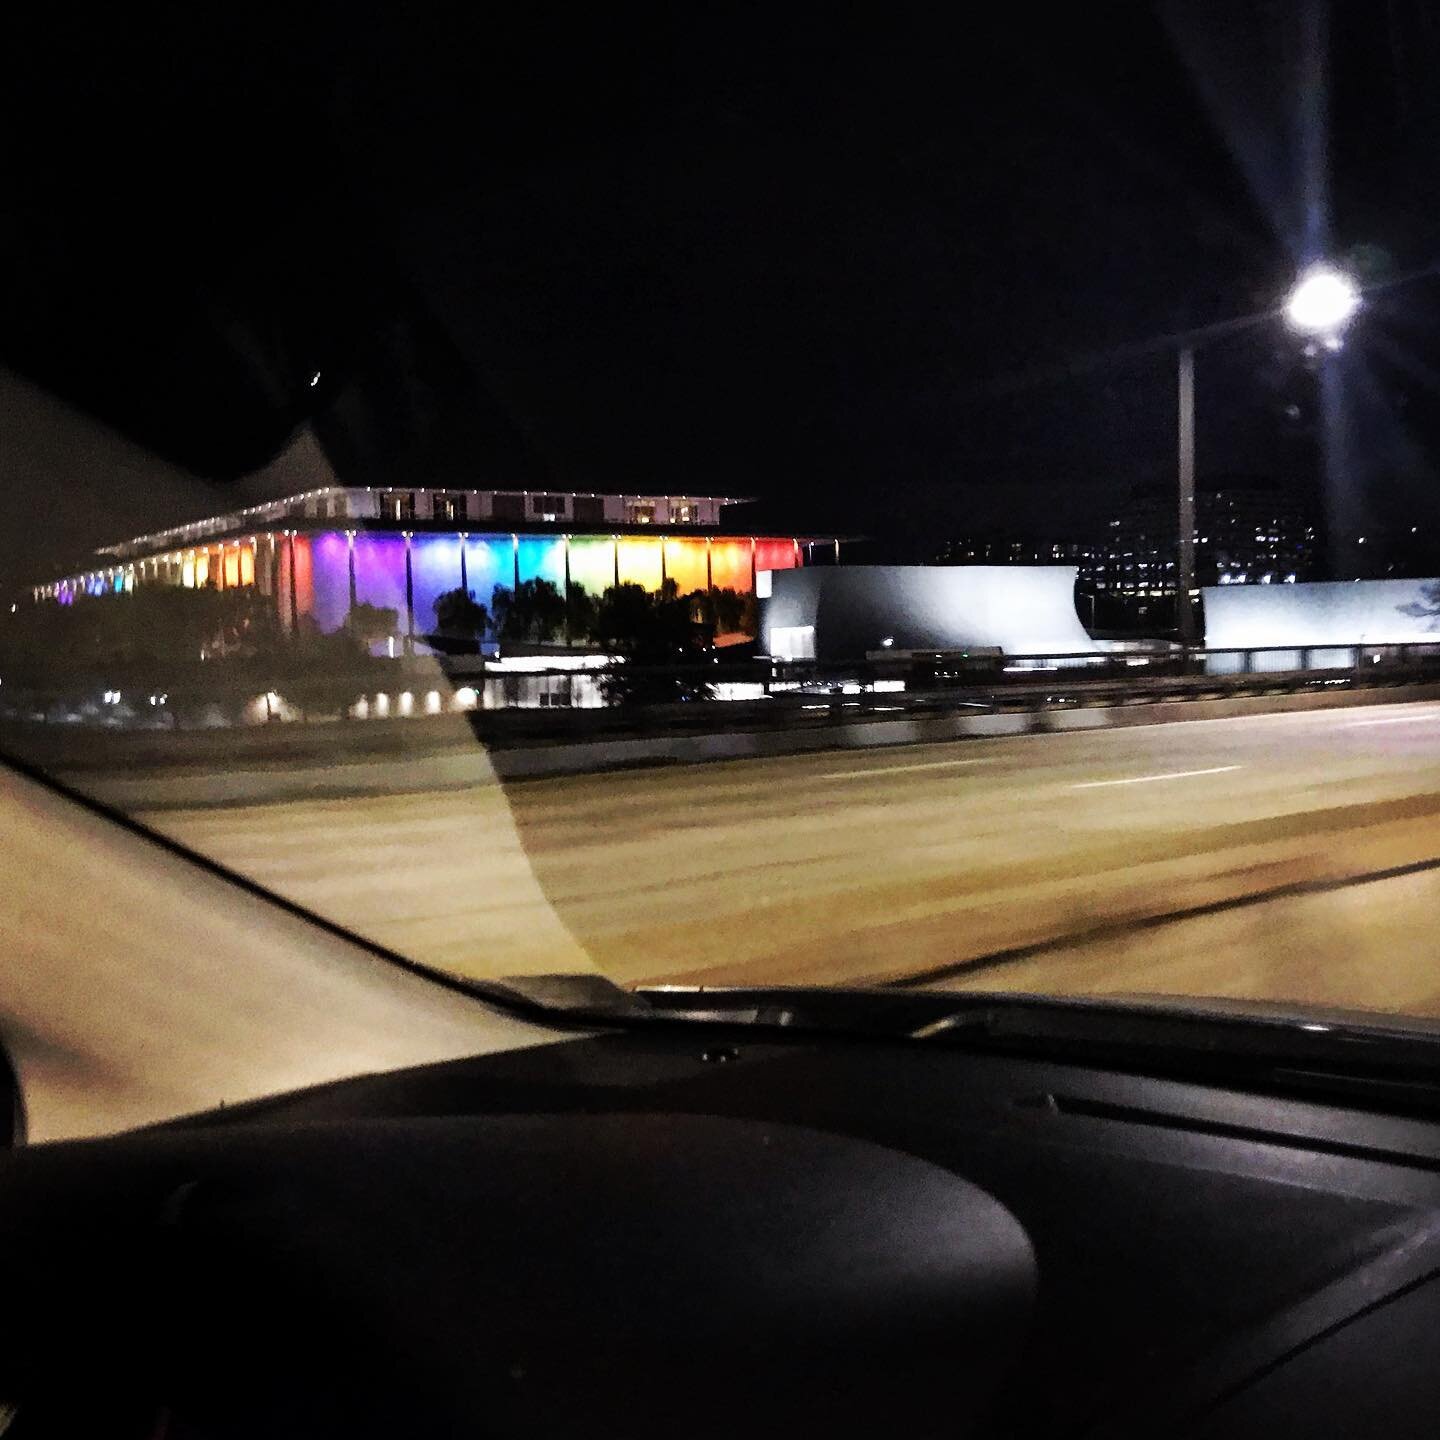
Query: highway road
(1239, 857)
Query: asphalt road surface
(1283, 856)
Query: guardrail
(758, 691)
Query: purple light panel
(380, 572)
(330, 575)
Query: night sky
(899, 272)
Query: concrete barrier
(216, 785)
(871, 734)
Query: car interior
(559, 1207)
(960, 1215)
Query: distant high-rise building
(1248, 531)
(1012, 550)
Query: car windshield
(834, 499)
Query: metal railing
(755, 690)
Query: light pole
(1185, 577)
(1321, 303)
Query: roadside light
(1323, 302)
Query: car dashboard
(688, 1229)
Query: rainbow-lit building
(322, 552)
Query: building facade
(1017, 550)
(1248, 531)
(850, 612)
(321, 553)
(1319, 626)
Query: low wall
(252, 784)
(1319, 614)
(845, 612)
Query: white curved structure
(841, 612)
(1338, 612)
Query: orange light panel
(640, 563)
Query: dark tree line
(624, 618)
(662, 641)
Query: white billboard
(1340, 612)
(847, 611)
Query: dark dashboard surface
(1144, 1256)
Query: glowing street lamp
(1322, 302)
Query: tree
(1427, 607)
(579, 613)
(534, 611)
(625, 619)
(370, 624)
(235, 622)
(656, 642)
(152, 624)
(729, 609)
(460, 616)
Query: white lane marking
(1393, 720)
(1145, 779)
(882, 770)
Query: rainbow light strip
(319, 575)
(479, 563)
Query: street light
(1320, 304)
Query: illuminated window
(640, 512)
(793, 642)
(398, 505)
(448, 507)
